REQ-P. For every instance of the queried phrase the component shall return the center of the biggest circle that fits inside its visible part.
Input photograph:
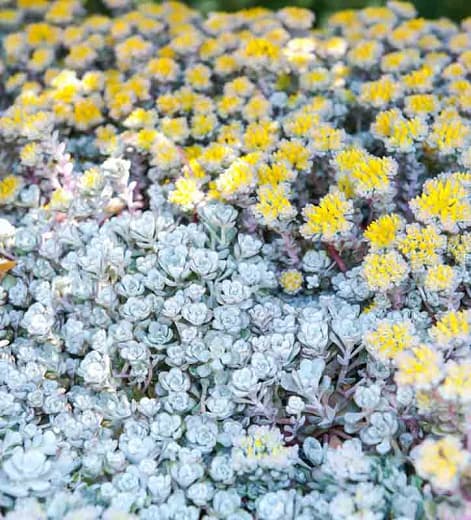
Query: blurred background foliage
(455, 9)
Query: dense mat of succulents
(235, 264)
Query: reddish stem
(334, 254)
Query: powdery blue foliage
(234, 261)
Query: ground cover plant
(235, 260)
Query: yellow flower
(202, 125)
(199, 77)
(73, 35)
(300, 124)
(165, 154)
(30, 154)
(419, 367)
(422, 245)
(453, 326)
(92, 81)
(421, 104)
(238, 178)
(140, 118)
(225, 64)
(168, 104)
(441, 461)
(257, 108)
(404, 134)
(346, 160)
(457, 384)
(133, 48)
(216, 155)
(381, 92)
(35, 6)
(186, 194)
(15, 81)
(9, 188)
(10, 17)
(372, 175)
(376, 14)
(296, 17)
(66, 86)
(345, 185)
(41, 59)
(145, 138)
(329, 218)
(273, 203)
(441, 277)
(229, 104)
(163, 69)
(325, 138)
(86, 114)
(365, 54)
(291, 281)
(262, 446)
(274, 174)
(106, 139)
(194, 169)
(80, 56)
(121, 103)
(294, 154)
(60, 200)
(240, 86)
(193, 152)
(61, 11)
(383, 125)
(230, 134)
(384, 271)
(317, 79)
(42, 34)
(399, 61)
(344, 18)
(260, 136)
(175, 128)
(91, 180)
(139, 86)
(260, 51)
(420, 80)
(449, 135)
(444, 201)
(210, 48)
(388, 340)
(459, 246)
(382, 232)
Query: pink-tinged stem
(290, 248)
(334, 254)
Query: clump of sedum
(235, 259)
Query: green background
(455, 9)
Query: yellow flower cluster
(445, 201)
(9, 188)
(422, 245)
(441, 461)
(329, 218)
(420, 367)
(384, 271)
(453, 326)
(291, 281)
(383, 232)
(389, 339)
